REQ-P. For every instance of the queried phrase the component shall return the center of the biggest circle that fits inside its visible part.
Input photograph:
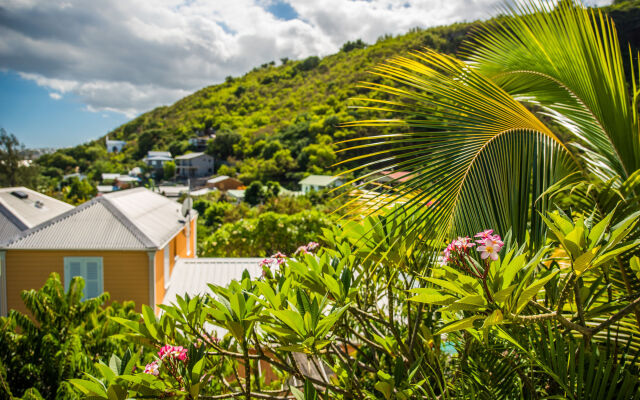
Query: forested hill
(280, 120)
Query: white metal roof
(105, 188)
(158, 154)
(131, 219)
(192, 275)
(218, 179)
(319, 180)
(109, 176)
(24, 213)
(189, 156)
(238, 194)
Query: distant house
(115, 146)
(172, 191)
(319, 182)
(224, 182)
(200, 143)
(76, 175)
(237, 195)
(108, 178)
(194, 165)
(135, 171)
(22, 208)
(126, 181)
(156, 159)
(124, 243)
(391, 177)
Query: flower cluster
(152, 369)
(456, 249)
(490, 245)
(177, 352)
(167, 353)
(308, 249)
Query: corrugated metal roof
(189, 156)
(156, 216)
(218, 179)
(318, 180)
(159, 154)
(32, 210)
(124, 220)
(192, 275)
(9, 227)
(90, 226)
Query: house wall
(195, 167)
(125, 273)
(177, 247)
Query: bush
(61, 338)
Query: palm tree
(541, 103)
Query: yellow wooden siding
(125, 273)
(177, 246)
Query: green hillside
(280, 120)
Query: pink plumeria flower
(267, 262)
(490, 249)
(484, 234)
(312, 245)
(303, 250)
(178, 352)
(279, 257)
(152, 369)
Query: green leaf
(290, 318)
(532, 290)
(459, 325)
(597, 232)
(495, 318)
(150, 321)
(432, 296)
(635, 265)
(116, 392)
(89, 387)
(385, 388)
(584, 261)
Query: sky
(72, 70)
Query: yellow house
(125, 243)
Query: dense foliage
(370, 316)
(275, 223)
(61, 337)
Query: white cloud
(55, 96)
(129, 56)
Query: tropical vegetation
(525, 163)
(59, 337)
(505, 267)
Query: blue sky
(72, 70)
(28, 111)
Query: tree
(9, 158)
(79, 191)
(473, 131)
(254, 194)
(60, 338)
(221, 147)
(169, 170)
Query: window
(167, 271)
(89, 268)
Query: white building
(115, 146)
(157, 159)
(319, 182)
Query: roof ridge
(50, 222)
(126, 221)
(144, 240)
